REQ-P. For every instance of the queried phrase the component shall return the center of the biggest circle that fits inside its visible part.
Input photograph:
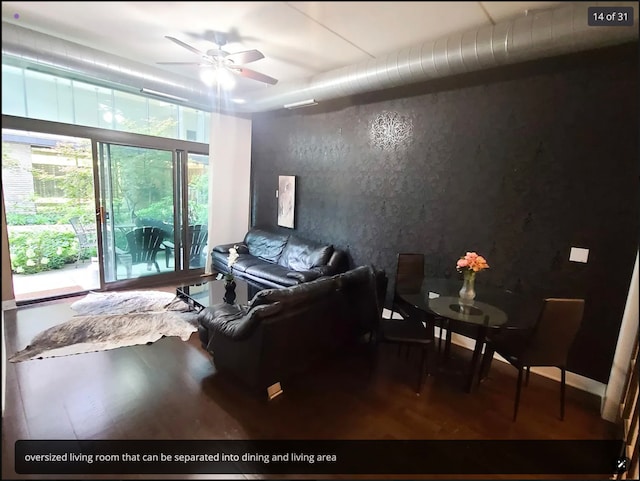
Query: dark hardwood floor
(170, 390)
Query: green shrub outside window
(33, 252)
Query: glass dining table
(492, 308)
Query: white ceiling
(298, 39)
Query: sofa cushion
(271, 272)
(265, 245)
(245, 261)
(302, 255)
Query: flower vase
(468, 293)
(229, 291)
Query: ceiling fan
(216, 64)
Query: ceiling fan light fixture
(220, 66)
(226, 79)
(208, 75)
(212, 76)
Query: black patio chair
(143, 245)
(197, 236)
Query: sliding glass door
(153, 210)
(196, 241)
(137, 210)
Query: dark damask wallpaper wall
(519, 164)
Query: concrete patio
(77, 277)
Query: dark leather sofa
(280, 260)
(282, 332)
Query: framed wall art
(286, 200)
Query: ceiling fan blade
(186, 45)
(252, 74)
(247, 56)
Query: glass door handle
(102, 214)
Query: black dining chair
(416, 327)
(546, 344)
(409, 277)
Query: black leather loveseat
(282, 332)
(280, 260)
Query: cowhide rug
(111, 320)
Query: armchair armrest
(323, 271)
(234, 321)
(338, 262)
(242, 248)
(304, 276)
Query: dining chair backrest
(554, 332)
(409, 272)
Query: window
(47, 179)
(39, 95)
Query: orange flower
(471, 261)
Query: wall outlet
(578, 254)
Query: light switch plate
(578, 254)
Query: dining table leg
(480, 337)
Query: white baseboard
(10, 304)
(574, 380)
